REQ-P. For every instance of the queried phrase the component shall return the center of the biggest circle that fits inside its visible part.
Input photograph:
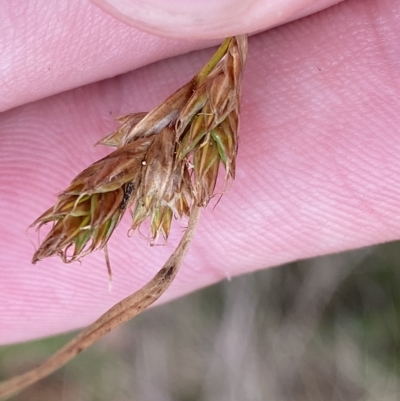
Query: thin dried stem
(120, 313)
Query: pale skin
(319, 154)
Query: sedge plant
(164, 167)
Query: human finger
(318, 167)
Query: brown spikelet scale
(165, 166)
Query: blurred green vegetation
(321, 329)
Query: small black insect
(129, 187)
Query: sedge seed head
(166, 162)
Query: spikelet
(166, 162)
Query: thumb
(209, 19)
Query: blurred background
(321, 329)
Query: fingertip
(208, 19)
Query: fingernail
(202, 19)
